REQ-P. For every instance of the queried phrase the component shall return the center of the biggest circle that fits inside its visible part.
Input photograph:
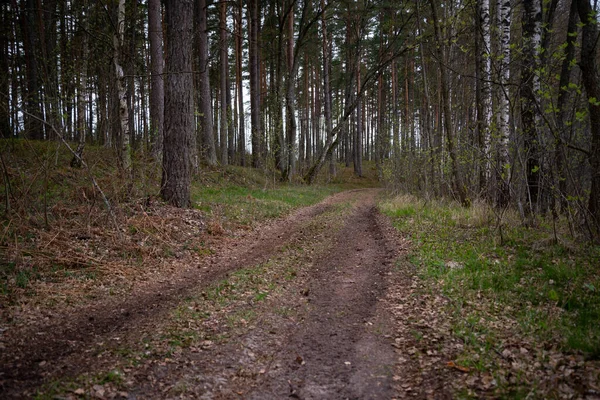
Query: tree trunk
(530, 85)
(561, 104)
(254, 84)
(118, 37)
(279, 147)
(82, 92)
(223, 70)
(358, 150)
(458, 183)
(47, 27)
(230, 123)
(157, 93)
(503, 168)
(483, 90)
(326, 84)
(5, 33)
(33, 126)
(290, 95)
(179, 104)
(238, 78)
(591, 81)
(206, 114)
(130, 71)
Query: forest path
(295, 309)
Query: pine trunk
(254, 84)
(179, 104)
(205, 106)
(290, 96)
(223, 125)
(238, 79)
(157, 93)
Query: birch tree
(502, 167)
(125, 138)
(484, 93)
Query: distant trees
(490, 100)
(157, 91)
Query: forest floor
(329, 301)
(301, 307)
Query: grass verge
(524, 307)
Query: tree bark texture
(5, 28)
(223, 70)
(254, 66)
(484, 93)
(503, 168)
(179, 104)
(290, 95)
(238, 79)
(157, 92)
(118, 40)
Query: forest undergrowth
(524, 306)
(60, 244)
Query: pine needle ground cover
(525, 308)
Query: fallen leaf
(461, 368)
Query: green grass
(552, 290)
(245, 205)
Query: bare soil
(320, 322)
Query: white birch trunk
(485, 76)
(504, 21)
(118, 38)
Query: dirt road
(293, 309)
